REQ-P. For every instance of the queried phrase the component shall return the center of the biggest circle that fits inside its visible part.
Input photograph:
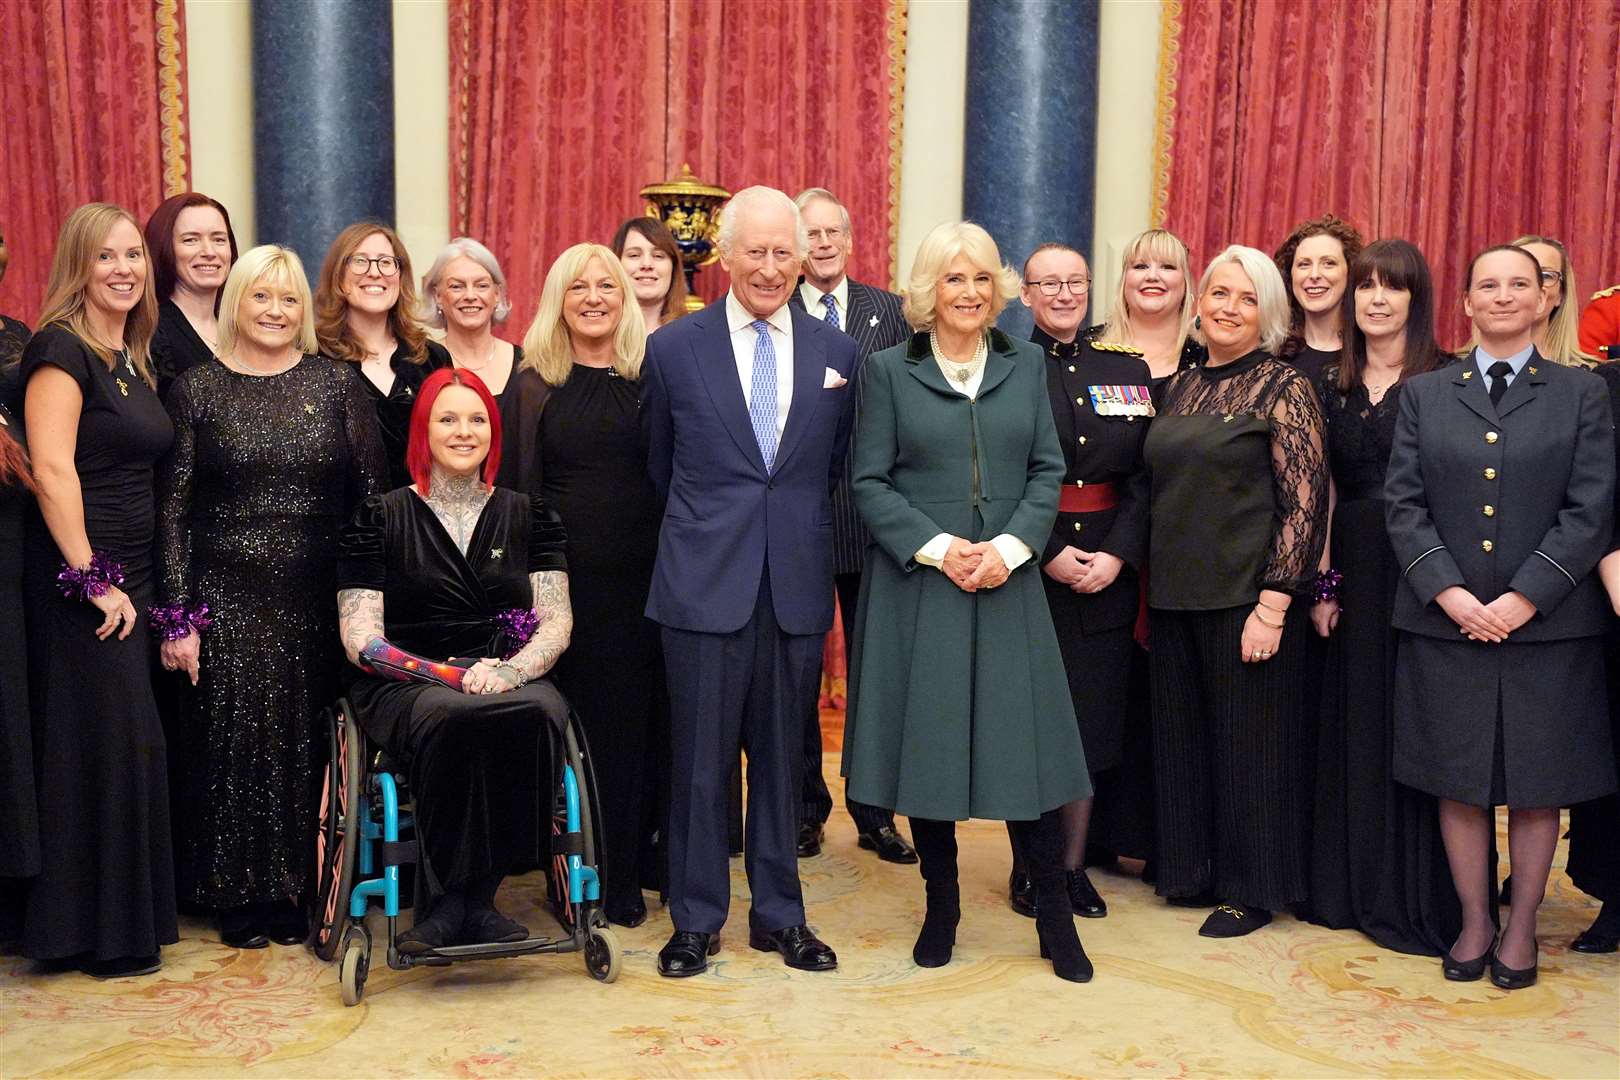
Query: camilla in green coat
(959, 705)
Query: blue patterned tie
(831, 318)
(762, 393)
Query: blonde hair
(83, 235)
(937, 251)
(547, 349)
(1563, 322)
(463, 247)
(1269, 290)
(1158, 245)
(280, 268)
(332, 306)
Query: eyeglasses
(1053, 286)
(832, 235)
(386, 265)
(1550, 277)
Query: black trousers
(730, 692)
(1229, 749)
(816, 802)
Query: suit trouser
(817, 802)
(728, 692)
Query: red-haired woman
(454, 566)
(366, 313)
(1315, 262)
(192, 248)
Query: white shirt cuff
(1014, 552)
(933, 552)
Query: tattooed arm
(360, 619)
(550, 638)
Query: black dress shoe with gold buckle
(1234, 920)
(687, 953)
(889, 845)
(800, 948)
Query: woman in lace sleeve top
(1239, 499)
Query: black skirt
(1525, 724)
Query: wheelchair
(366, 835)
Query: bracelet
(519, 625)
(94, 580)
(1279, 610)
(522, 679)
(1327, 585)
(172, 622)
(1262, 618)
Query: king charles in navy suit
(747, 407)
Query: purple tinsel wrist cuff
(94, 580)
(172, 622)
(1326, 586)
(519, 625)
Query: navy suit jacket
(727, 520)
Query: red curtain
(560, 113)
(94, 105)
(1453, 123)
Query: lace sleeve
(1300, 480)
(174, 486)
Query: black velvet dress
(593, 471)
(1377, 862)
(106, 882)
(471, 758)
(394, 408)
(176, 347)
(264, 472)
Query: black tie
(1499, 373)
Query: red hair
(418, 457)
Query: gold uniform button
(1082, 440)
(1071, 369)
(1490, 436)
(1079, 401)
(1489, 510)
(1077, 526)
(1490, 474)
(1487, 545)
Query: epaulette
(1601, 293)
(1115, 346)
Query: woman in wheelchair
(455, 569)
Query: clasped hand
(972, 567)
(1084, 571)
(1485, 622)
(488, 677)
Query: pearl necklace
(959, 371)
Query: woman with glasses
(1557, 329)
(1315, 262)
(1100, 401)
(366, 313)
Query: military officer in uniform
(1600, 325)
(872, 317)
(1101, 404)
(1499, 505)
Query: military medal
(1130, 401)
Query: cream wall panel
(219, 98)
(1126, 93)
(422, 127)
(936, 107)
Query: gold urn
(690, 209)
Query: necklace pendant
(962, 375)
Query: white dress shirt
(739, 320)
(818, 310)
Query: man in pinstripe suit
(872, 317)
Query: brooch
(309, 408)
(873, 322)
(495, 553)
(123, 387)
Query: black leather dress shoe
(1593, 940)
(1021, 894)
(687, 953)
(239, 928)
(889, 845)
(631, 916)
(799, 947)
(286, 923)
(810, 835)
(1084, 897)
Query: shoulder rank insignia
(1121, 400)
(1610, 291)
(1115, 346)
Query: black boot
(936, 853)
(1042, 845)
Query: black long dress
(19, 812)
(593, 471)
(106, 883)
(176, 347)
(394, 408)
(1377, 863)
(1594, 827)
(264, 472)
(471, 758)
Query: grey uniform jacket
(1512, 497)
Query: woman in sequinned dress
(273, 450)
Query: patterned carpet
(1290, 1001)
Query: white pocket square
(832, 380)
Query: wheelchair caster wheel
(602, 954)
(356, 964)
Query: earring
(1198, 322)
